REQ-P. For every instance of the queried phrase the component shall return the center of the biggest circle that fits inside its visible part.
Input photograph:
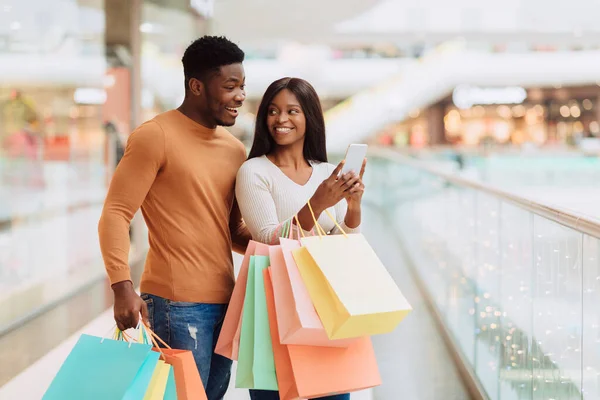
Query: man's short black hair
(208, 54)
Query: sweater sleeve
(257, 205)
(133, 178)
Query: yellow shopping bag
(158, 383)
(351, 289)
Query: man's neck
(192, 113)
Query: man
(180, 167)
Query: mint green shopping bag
(101, 369)
(256, 365)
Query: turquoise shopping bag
(171, 391)
(101, 369)
(256, 364)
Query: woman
(287, 169)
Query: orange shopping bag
(187, 378)
(305, 371)
(297, 319)
(228, 344)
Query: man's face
(225, 94)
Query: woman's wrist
(316, 206)
(353, 217)
(354, 206)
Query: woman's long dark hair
(315, 148)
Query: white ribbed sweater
(268, 198)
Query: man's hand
(128, 306)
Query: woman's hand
(333, 189)
(355, 193)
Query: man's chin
(225, 122)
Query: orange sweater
(182, 174)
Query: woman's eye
(294, 111)
(272, 112)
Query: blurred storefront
(78, 76)
(167, 28)
(53, 66)
(473, 116)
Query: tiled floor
(413, 360)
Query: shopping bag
(305, 371)
(158, 383)
(171, 390)
(351, 289)
(297, 320)
(229, 338)
(100, 369)
(187, 378)
(256, 366)
(185, 381)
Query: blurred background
(483, 120)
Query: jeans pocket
(183, 304)
(150, 306)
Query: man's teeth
(231, 109)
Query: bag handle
(154, 336)
(274, 235)
(319, 228)
(301, 231)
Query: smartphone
(355, 156)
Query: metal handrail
(578, 222)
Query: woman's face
(285, 119)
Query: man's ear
(196, 86)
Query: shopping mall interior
(482, 185)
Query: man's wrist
(121, 287)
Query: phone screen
(355, 155)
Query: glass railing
(517, 283)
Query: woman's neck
(289, 156)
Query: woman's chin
(282, 142)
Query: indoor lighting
(146, 27)
(518, 111)
(575, 111)
(203, 7)
(539, 109)
(587, 104)
(466, 96)
(565, 111)
(89, 96)
(594, 127)
(415, 113)
(479, 111)
(504, 112)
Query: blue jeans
(194, 327)
(270, 395)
